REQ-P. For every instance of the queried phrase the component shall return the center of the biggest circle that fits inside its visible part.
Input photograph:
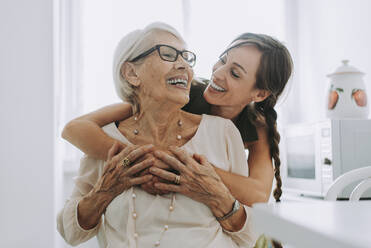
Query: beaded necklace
(178, 136)
(166, 226)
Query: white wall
(103, 24)
(27, 217)
(327, 32)
(214, 24)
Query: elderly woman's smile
(180, 82)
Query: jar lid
(345, 68)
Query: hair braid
(266, 108)
(274, 71)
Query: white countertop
(318, 224)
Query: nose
(180, 63)
(218, 73)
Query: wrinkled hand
(149, 186)
(198, 179)
(117, 178)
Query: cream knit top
(191, 224)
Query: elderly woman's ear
(129, 72)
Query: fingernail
(157, 153)
(149, 146)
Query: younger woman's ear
(261, 95)
(129, 72)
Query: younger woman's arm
(258, 185)
(85, 132)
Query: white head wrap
(128, 48)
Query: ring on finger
(177, 179)
(126, 162)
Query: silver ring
(177, 179)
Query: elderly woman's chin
(179, 98)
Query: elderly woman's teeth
(180, 82)
(216, 87)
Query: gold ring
(126, 162)
(177, 179)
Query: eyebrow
(238, 65)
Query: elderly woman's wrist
(235, 222)
(102, 197)
(90, 209)
(222, 206)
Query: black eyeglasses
(169, 53)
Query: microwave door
(301, 158)
(301, 173)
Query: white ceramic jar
(347, 98)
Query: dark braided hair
(273, 74)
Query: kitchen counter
(339, 224)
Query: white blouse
(191, 224)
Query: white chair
(344, 180)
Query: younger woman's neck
(227, 112)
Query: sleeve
(247, 236)
(235, 150)
(67, 222)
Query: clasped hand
(155, 172)
(117, 176)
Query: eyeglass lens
(170, 54)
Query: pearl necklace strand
(166, 226)
(171, 207)
(178, 136)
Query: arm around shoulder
(260, 165)
(85, 132)
(253, 183)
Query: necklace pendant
(178, 137)
(136, 132)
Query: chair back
(363, 174)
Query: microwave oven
(314, 155)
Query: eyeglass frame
(157, 47)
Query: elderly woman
(153, 72)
